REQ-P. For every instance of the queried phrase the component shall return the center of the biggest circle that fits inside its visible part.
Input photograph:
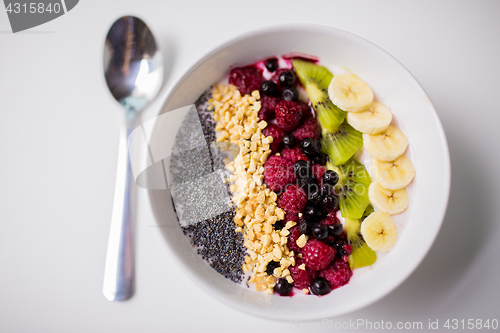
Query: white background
(59, 131)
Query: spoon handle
(119, 273)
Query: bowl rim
(440, 214)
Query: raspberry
(268, 107)
(288, 115)
(302, 278)
(317, 255)
(318, 172)
(293, 154)
(291, 217)
(330, 220)
(246, 79)
(337, 274)
(277, 134)
(278, 172)
(293, 200)
(292, 240)
(308, 128)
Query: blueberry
(268, 88)
(287, 79)
(320, 158)
(330, 177)
(271, 266)
(330, 201)
(313, 213)
(319, 231)
(289, 141)
(327, 190)
(290, 94)
(307, 183)
(282, 287)
(338, 245)
(319, 286)
(302, 169)
(310, 147)
(336, 229)
(272, 64)
(278, 225)
(305, 227)
(315, 197)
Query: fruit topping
(350, 93)
(379, 231)
(308, 128)
(342, 144)
(293, 200)
(393, 175)
(305, 227)
(288, 115)
(278, 172)
(268, 88)
(277, 134)
(372, 121)
(268, 107)
(362, 255)
(283, 287)
(290, 94)
(337, 274)
(386, 145)
(335, 229)
(388, 201)
(313, 213)
(319, 231)
(246, 79)
(272, 64)
(310, 147)
(292, 240)
(315, 79)
(302, 169)
(317, 255)
(294, 154)
(271, 266)
(301, 277)
(330, 177)
(287, 79)
(319, 286)
(289, 141)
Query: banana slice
(393, 175)
(388, 201)
(379, 231)
(372, 121)
(350, 93)
(386, 145)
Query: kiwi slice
(315, 79)
(352, 188)
(342, 144)
(361, 255)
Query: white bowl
(392, 84)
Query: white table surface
(58, 144)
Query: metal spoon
(133, 68)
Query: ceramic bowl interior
(393, 85)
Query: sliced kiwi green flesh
(361, 255)
(342, 144)
(352, 188)
(315, 79)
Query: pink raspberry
(317, 255)
(288, 115)
(293, 154)
(308, 128)
(246, 79)
(318, 172)
(292, 240)
(291, 217)
(268, 107)
(337, 274)
(302, 278)
(294, 200)
(277, 134)
(278, 173)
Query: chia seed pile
(215, 238)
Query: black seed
(289, 141)
(319, 286)
(272, 64)
(282, 287)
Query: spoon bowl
(133, 68)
